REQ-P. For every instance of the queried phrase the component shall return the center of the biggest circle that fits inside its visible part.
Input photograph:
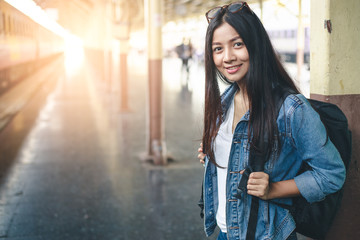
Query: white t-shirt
(222, 152)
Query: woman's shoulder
(295, 106)
(294, 101)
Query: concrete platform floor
(70, 166)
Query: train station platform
(70, 165)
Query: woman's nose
(228, 55)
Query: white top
(222, 152)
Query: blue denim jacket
(302, 137)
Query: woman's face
(230, 55)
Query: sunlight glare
(74, 54)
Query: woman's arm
(310, 139)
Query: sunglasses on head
(232, 7)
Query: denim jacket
(302, 138)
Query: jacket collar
(226, 99)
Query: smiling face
(230, 55)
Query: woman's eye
(238, 44)
(217, 49)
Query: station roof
(79, 10)
(177, 9)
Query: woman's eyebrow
(235, 38)
(216, 43)
(231, 40)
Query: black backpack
(312, 220)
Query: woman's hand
(258, 185)
(201, 155)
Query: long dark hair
(264, 82)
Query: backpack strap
(254, 210)
(201, 201)
(256, 164)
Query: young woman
(238, 51)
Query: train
(25, 46)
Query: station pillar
(107, 69)
(156, 145)
(261, 10)
(124, 49)
(300, 44)
(334, 77)
(121, 32)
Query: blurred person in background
(184, 52)
(238, 51)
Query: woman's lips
(233, 69)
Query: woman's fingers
(259, 175)
(258, 184)
(201, 155)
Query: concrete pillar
(121, 31)
(300, 44)
(153, 18)
(261, 10)
(334, 75)
(107, 68)
(124, 49)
